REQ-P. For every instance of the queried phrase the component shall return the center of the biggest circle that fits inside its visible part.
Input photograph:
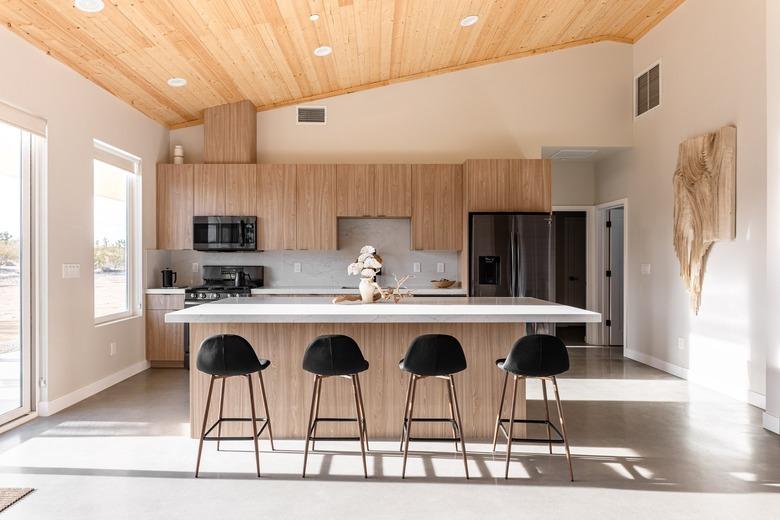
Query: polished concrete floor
(645, 444)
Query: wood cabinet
(316, 206)
(374, 190)
(174, 206)
(276, 206)
(437, 207)
(230, 133)
(164, 341)
(209, 193)
(240, 189)
(508, 184)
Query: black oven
(224, 233)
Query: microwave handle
(241, 233)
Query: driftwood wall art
(704, 202)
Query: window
(648, 90)
(116, 223)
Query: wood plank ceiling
(262, 50)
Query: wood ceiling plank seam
(286, 50)
(277, 58)
(116, 17)
(255, 79)
(514, 40)
(370, 16)
(304, 35)
(542, 27)
(416, 26)
(387, 13)
(343, 56)
(571, 28)
(607, 20)
(191, 97)
(151, 30)
(460, 37)
(472, 36)
(436, 39)
(278, 88)
(399, 30)
(232, 60)
(58, 24)
(497, 17)
(636, 34)
(365, 26)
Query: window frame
(134, 262)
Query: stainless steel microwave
(224, 233)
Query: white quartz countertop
(275, 309)
(317, 291)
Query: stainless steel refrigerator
(512, 254)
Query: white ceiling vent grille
(574, 154)
(648, 90)
(312, 115)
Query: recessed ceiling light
(314, 17)
(89, 6)
(322, 51)
(469, 20)
(177, 82)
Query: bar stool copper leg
(203, 428)
(221, 404)
(254, 422)
(460, 425)
(359, 424)
(316, 412)
(363, 410)
(410, 415)
(546, 412)
(308, 428)
(452, 416)
(405, 424)
(265, 407)
(500, 409)
(511, 426)
(563, 427)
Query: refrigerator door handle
(513, 265)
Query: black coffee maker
(168, 278)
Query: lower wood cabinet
(164, 341)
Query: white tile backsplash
(391, 237)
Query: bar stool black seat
(538, 356)
(335, 355)
(224, 356)
(439, 356)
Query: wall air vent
(648, 90)
(312, 115)
(574, 154)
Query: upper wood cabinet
(276, 206)
(374, 190)
(230, 133)
(509, 184)
(437, 207)
(209, 194)
(240, 189)
(316, 206)
(174, 206)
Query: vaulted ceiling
(262, 50)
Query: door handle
(573, 278)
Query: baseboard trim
(47, 408)
(10, 425)
(752, 398)
(771, 423)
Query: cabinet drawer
(164, 302)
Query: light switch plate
(112, 348)
(647, 269)
(416, 267)
(440, 267)
(71, 270)
(195, 267)
(297, 267)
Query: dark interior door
(570, 258)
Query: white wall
(77, 111)
(611, 176)
(712, 74)
(573, 183)
(574, 97)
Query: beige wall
(575, 97)
(611, 177)
(573, 183)
(712, 74)
(78, 111)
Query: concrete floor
(646, 445)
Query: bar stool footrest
(453, 424)
(263, 420)
(559, 440)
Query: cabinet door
(316, 196)
(209, 194)
(437, 207)
(392, 190)
(164, 341)
(276, 207)
(174, 206)
(488, 184)
(355, 190)
(530, 185)
(240, 183)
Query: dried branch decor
(704, 202)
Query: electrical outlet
(416, 267)
(112, 348)
(195, 267)
(440, 267)
(647, 269)
(71, 270)
(681, 343)
(297, 267)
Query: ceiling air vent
(575, 154)
(648, 90)
(312, 115)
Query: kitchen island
(280, 329)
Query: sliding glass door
(15, 160)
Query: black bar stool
(223, 356)
(542, 357)
(439, 356)
(335, 355)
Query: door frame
(602, 261)
(592, 330)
